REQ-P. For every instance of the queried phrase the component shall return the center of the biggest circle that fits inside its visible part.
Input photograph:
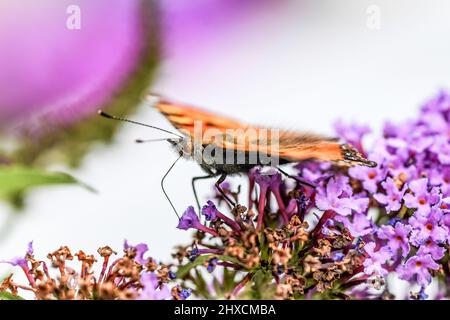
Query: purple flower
(441, 178)
(397, 237)
(209, 211)
(421, 199)
(330, 198)
(373, 264)
(396, 168)
(439, 103)
(431, 247)
(337, 255)
(21, 261)
(312, 176)
(370, 177)
(270, 179)
(212, 263)
(184, 294)
(212, 214)
(194, 254)
(191, 25)
(393, 197)
(360, 225)
(435, 122)
(140, 250)
(152, 289)
(441, 147)
(418, 268)
(419, 142)
(189, 219)
(427, 227)
(443, 205)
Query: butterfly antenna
(151, 140)
(164, 190)
(109, 116)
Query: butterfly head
(184, 146)
(353, 157)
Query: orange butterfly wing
(183, 117)
(291, 146)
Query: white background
(299, 65)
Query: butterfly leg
(300, 181)
(195, 191)
(224, 195)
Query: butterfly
(224, 146)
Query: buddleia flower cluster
(408, 224)
(325, 231)
(277, 247)
(130, 277)
(334, 232)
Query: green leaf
(262, 281)
(9, 296)
(201, 285)
(184, 270)
(16, 180)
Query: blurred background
(297, 64)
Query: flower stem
(281, 205)
(29, 276)
(261, 206)
(207, 230)
(327, 215)
(241, 285)
(230, 222)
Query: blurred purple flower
(269, 179)
(50, 69)
(352, 133)
(152, 289)
(140, 250)
(190, 25)
(441, 177)
(337, 197)
(21, 261)
(440, 103)
(441, 147)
